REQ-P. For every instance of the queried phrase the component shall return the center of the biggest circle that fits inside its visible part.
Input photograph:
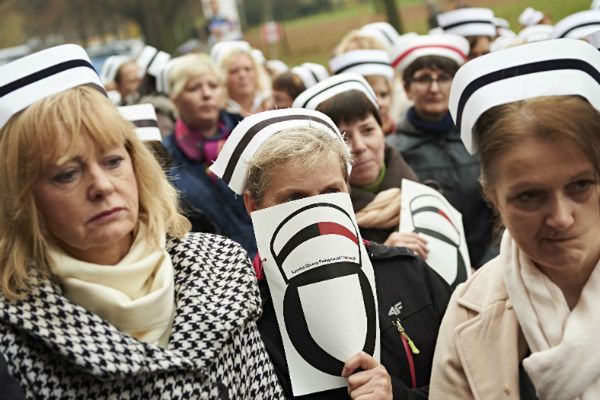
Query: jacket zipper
(409, 348)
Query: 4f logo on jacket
(395, 310)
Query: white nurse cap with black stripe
(536, 33)
(143, 117)
(247, 137)
(111, 66)
(383, 32)
(449, 46)
(43, 74)
(530, 16)
(162, 80)
(332, 86)
(471, 21)
(559, 67)
(310, 73)
(151, 60)
(578, 25)
(363, 62)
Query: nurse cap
(363, 62)
(310, 73)
(332, 86)
(530, 16)
(143, 117)
(382, 31)
(220, 49)
(43, 74)
(449, 46)
(111, 66)
(560, 67)
(470, 21)
(578, 25)
(536, 33)
(247, 137)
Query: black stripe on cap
(254, 130)
(145, 123)
(339, 71)
(454, 25)
(386, 34)
(313, 73)
(520, 70)
(331, 87)
(577, 27)
(43, 74)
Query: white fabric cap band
(578, 25)
(383, 32)
(143, 117)
(408, 50)
(42, 74)
(145, 58)
(247, 137)
(468, 22)
(363, 62)
(220, 49)
(159, 61)
(332, 86)
(549, 68)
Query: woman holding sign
(526, 325)
(284, 156)
(378, 169)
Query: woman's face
(368, 146)
(383, 90)
(548, 196)
(200, 101)
(429, 89)
(288, 182)
(89, 204)
(241, 76)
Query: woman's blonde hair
(187, 67)
(51, 131)
(263, 81)
(300, 148)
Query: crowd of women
(129, 267)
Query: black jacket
(441, 160)
(403, 281)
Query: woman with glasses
(428, 139)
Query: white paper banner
(322, 285)
(426, 211)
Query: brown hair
(443, 64)
(349, 107)
(290, 83)
(565, 118)
(51, 131)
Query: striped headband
(468, 22)
(363, 62)
(410, 49)
(382, 31)
(247, 137)
(559, 67)
(111, 66)
(578, 25)
(43, 74)
(310, 73)
(143, 117)
(332, 86)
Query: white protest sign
(426, 211)
(322, 285)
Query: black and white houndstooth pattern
(58, 350)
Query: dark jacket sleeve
(9, 387)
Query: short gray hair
(301, 147)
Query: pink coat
(480, 343)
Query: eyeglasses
(425, 81)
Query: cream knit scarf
(136, 295)
(383, 212)
(565, 357)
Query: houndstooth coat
(58, 350)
